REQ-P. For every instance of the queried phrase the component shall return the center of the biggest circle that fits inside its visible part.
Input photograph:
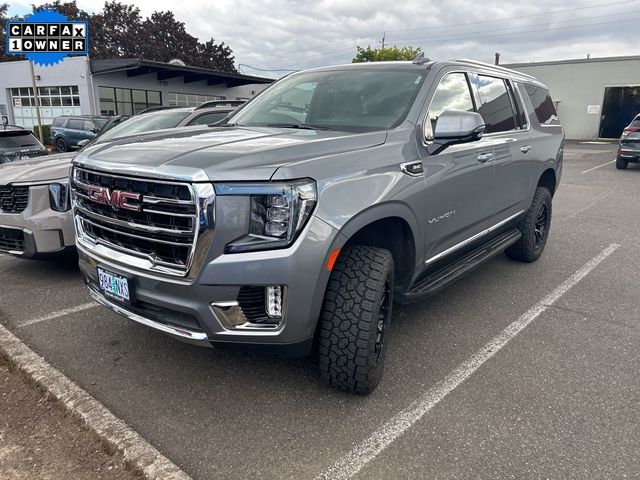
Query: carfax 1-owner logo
(47, 37)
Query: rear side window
(521, 116)
(209, 118)
(496, 108)
(57, 122)
(76, 124)
(542, 105)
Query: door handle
(485, 157)
(525, 149)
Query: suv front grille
(159, 225)
(13, 199)
(11, 240)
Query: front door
(460, 179)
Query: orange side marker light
(332, 259)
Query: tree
(4, 56)
(119, 31)
(386, 54)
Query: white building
(124, 86)
(596, 97)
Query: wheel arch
(391, 226)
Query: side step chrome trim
(189, 335)
(437, 280)
(473, 238)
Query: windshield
(147, 122)
(342, 100)
(18, 139)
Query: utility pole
(37, 102)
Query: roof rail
(495, 67)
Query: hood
(221, 154)
(36, 170)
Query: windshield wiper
(299, 126)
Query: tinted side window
(89, 125)
(209, 118)
(542, 105)
(521, 116)
(496, 108)
(57, 122)
(76, 124)
(452, 94)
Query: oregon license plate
(114, 285)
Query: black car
(629, 146)
(17, 143)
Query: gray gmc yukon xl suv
(332, 194)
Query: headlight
(279, 211)
(59, 196)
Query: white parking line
(349, 465)
(599, 166)
(60, 313)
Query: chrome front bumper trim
(184, 334)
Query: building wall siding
(576, 85)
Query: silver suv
(332, 194)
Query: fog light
(274, 301)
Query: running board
(439, 279)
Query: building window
(126, 101)
(191, 100)
(54, 102)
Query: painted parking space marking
(60, 313)
(356, 459)
(598, 166)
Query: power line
(477, 34)
(479, 22)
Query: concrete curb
(139, 455)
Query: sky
(271, 37)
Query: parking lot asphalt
(560, 400)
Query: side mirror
(5, 120)
(454, 127)
(94, 130)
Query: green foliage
(386, 54)
(46, 133)
(118, 30)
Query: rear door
(512, 145)
(460, 179)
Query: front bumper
(38, 229)
(189, 311)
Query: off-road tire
(61, 145)
(355, 319)
(621, 163)
(531, 244)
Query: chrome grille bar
(158, 229)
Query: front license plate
(114, 285)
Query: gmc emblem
(116, 198)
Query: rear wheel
(61, 145)
(355, 319)
(534, 228)
(621, 163)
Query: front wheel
(534, 228)
(355, 319)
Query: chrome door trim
(473, 238)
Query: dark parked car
(17, 143)
(67, 131)
(629, 146)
